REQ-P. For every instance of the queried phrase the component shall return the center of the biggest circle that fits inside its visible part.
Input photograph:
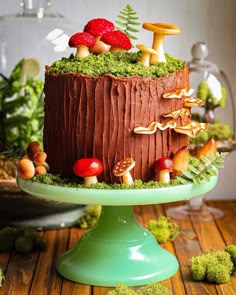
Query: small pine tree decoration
(127, 19)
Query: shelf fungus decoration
(179, 93)
(153, 126)
(193, 102)
(183, 112)
(192, 129)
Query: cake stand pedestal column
(117, 250)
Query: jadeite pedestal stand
(117, 249)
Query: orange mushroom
(160, 30)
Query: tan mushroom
(160, 30)
(147, 51)
(122, 168)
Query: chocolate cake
(114, 110)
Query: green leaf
(128, 19)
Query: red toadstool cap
(87, 167)
(117, 38)
(99, 26)
(82, 38)
(163, 164)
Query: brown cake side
(96, 116)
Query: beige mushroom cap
(124, 166)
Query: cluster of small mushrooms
(99, 35)
(165, 168)
(33, 162)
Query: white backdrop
(210, 21)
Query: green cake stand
(117, 249)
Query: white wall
(211, 21)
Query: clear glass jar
(212, 85)
(34, 32)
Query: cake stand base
(195, 210)
(117, 250)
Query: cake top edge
(119, 64)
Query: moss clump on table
(119, 64)
(153, 288)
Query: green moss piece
(149, 289)
(2, 277)
(163, 229)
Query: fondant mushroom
(122, 168)
(118, 41)
(98, 27)
(164, 166)
(147, 51)
(160, 30)
(89, 169)
(82, 41)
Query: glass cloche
(211, 85)
(29, 40)
(34, 32)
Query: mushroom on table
(122, 168)
(89, 169)
(160, 30)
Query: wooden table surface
(35, 273)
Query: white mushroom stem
(158, 46)
(127, 178)
(164, 176)
(90, 180)
(99, 46)
(82, 51)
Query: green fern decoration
(202, 169)
(127, 19)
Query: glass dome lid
(212, 85)
(33, 32)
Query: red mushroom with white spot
(118, 41)
(98, 27)
(89, 169)
(82, 41)
(122, 168)
(164, 166)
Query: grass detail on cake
(119, 64)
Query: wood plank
(46, 280)
(187, 245)
(19, 274)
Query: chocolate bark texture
(96, 116)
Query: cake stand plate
(117, 249)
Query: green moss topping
(57, 180)
(119, 64)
